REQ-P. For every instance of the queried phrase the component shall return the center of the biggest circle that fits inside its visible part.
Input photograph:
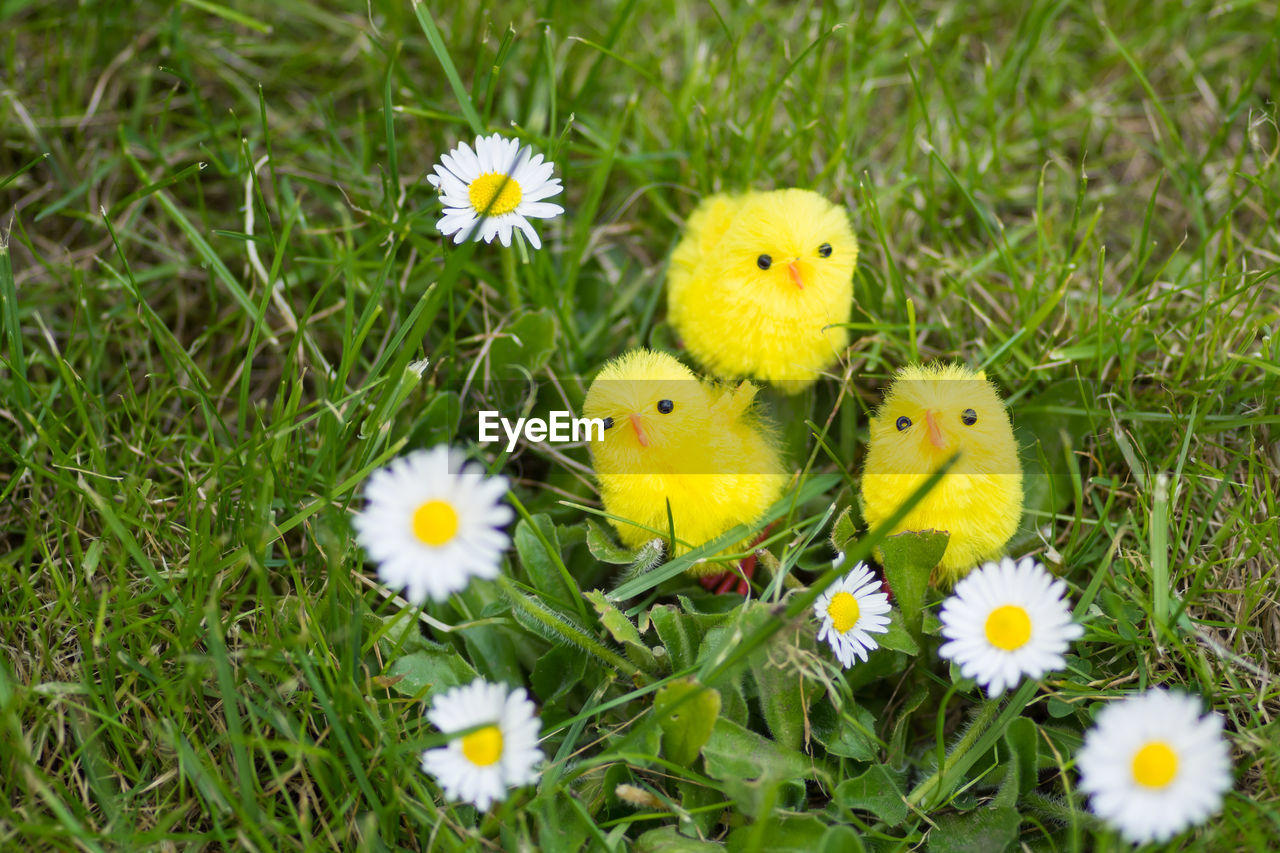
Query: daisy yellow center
(484, 747)
(435, 522)
(844, 611)
(1008, 627)
(1155, 765)
(495, 193)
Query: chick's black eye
(665, 407)
(608, 423)
(764, 262)
(824, 251)
(969, 417)
(903, 423)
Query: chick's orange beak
(794, 272)
(635, 425)
(935, 431)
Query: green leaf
(557, 672)
(622, 630)
(429, 671)
(898, 638)
(909, 559)
(680, 634)
(785, 697)
(543, 572)
(843, 531)
(840, 839)
(878, 790)
(686, 726)
(697, 799)
(985, 830)
(733, 752)
(1023, 743)
(902, 724)
(780, 835)
(604, 549)
(560, 825)
(526, 343)
(667, 839)
(397, 634)
(751, 767)
(849, 732)
(438, 421)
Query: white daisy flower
(852, 609)
(1005, 621)
(501, 183)
(480, 766)
(431, 523)
(1153, 766)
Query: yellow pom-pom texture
(928, 413)
(757, 282)
(675, 439)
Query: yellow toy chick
(756, 281)
(928, 413)
(670, 437)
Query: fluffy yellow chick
(671, 437)
(756, 281)
(928, 413)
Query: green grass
(195, 654)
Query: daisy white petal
(1153, 766)
(850, 610)
(480, 766)
(532, 235)
(502, 183)
(431, 523)
(1006, 621)
(543, 210)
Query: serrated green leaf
(878, 790)
(570, 535)
(843, 531)
(686, 726)
(622, 630)
(604, 549)
(986, 830)
(613, 619)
